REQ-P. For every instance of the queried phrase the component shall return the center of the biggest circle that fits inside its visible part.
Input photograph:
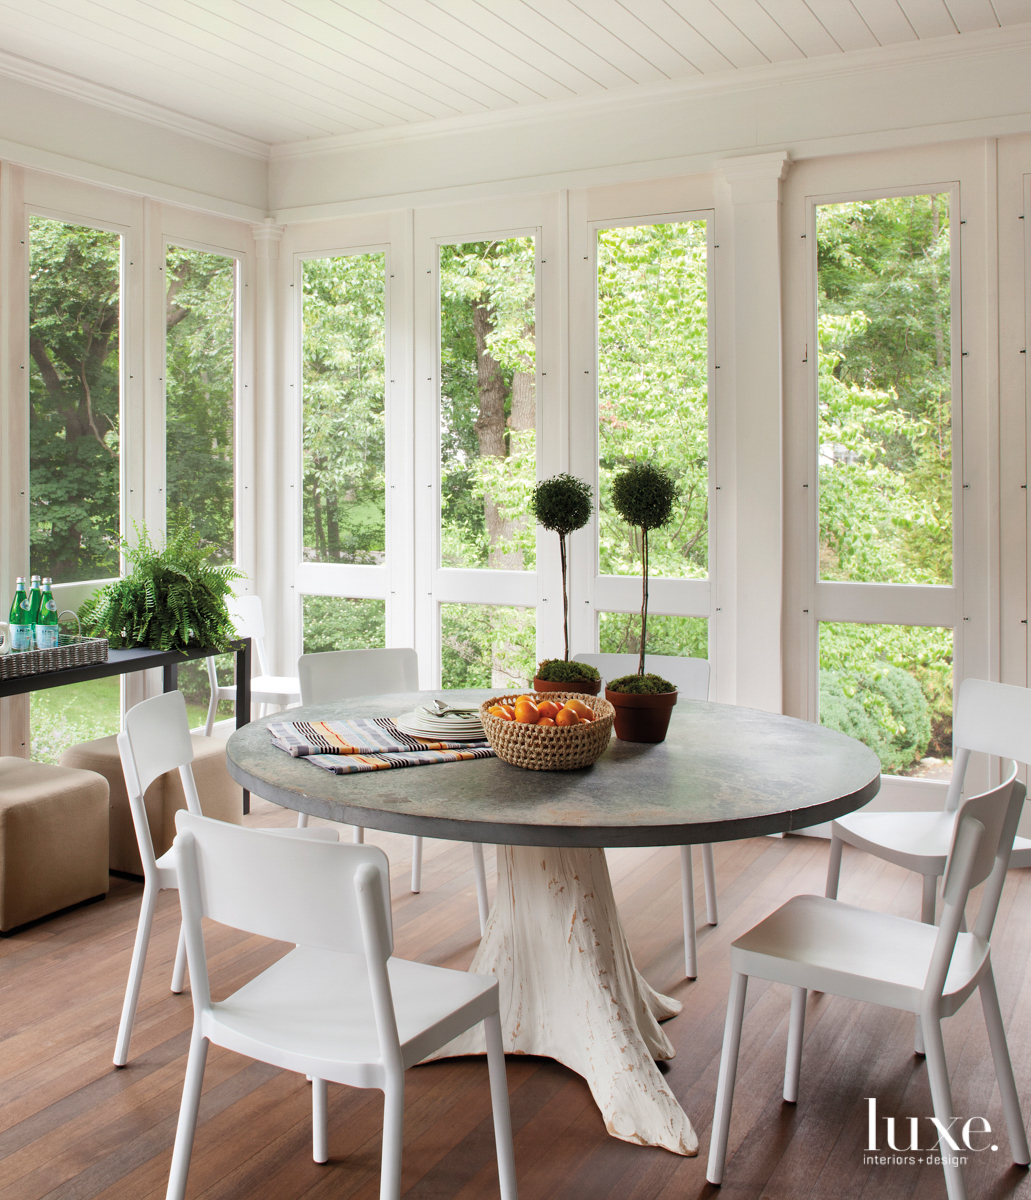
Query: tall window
(74, 446)
(885, 465)
(75, 395)
(653, 406)
(488, 451)
(200, 392)
(344, 444)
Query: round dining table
(569, 989)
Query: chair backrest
(156, 739)
(246, 614)
(341, 674)
(325, 895)
(690, 675)
(982, 840)
(994, 718)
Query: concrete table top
(722, 773)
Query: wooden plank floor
(72, 1127)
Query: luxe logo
(953, 1137)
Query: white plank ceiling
(281, 71)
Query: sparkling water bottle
(46, 622)
(21, 630)
(33, 613)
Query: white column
(270, 509)
(749, 419)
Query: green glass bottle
(46, 622)
(33, 613)
(21, 630)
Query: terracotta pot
(586, 687)
(641, 718)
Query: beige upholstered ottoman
(220, 797)
(53, 839)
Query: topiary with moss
(563, 670)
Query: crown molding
(24, 69)
(1014, 38)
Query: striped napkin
(367, 744)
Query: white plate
(416, 725)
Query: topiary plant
(562, 504)
(563, 670)
(644, 495)
(172, 599)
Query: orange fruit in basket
(521, 699)
(502, 711)
(547, 721)
(566, 717)
(548, 708)
(579, 708)
(526, 712)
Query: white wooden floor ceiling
(286, 71)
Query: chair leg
(499, 1106)
(480, 871)
(1004, 1070)
(712, 914)
(796, 1030)
(728, 1074)
(833, 868)
(941, 1097)
(302, 820)
(416, 864)
(928, 899)
(209, 722)
(132, 987)
(179, 970)
(319, 1120)
(187, 1126)
(687, 901)
(393, 1138)
(358, 835)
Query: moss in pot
(566, 675)
(644, 497)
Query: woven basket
(70, 651)
(549, 748)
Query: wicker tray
(549, 748)
(70, 651)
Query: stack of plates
(451, 727)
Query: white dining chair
(993, 718)
(266, 689)
(338, 1007)
(691, 677)
(157, 739)
(813, 943)
(344, 674)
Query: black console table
(122, 662)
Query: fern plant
(171, 599)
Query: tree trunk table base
(570, 991)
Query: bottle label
(46, 637)
(21, 638)
(51, 606)
(25, 604)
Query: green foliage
(172, 599)
(640, 685)
(885, 709)
(200, 361)
(620, 633)
(333, 623)
(562, 503)
(653, 403)
(560, 670)
(74, 394)
(344, 381)
(485, 645)
(644, 496)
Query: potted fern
(644, 496)
(171, 599)
(564, 504)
